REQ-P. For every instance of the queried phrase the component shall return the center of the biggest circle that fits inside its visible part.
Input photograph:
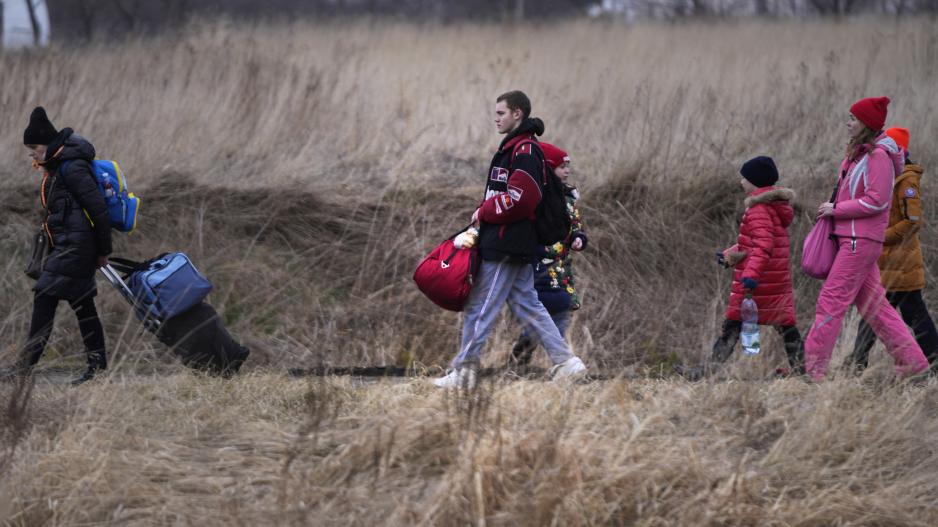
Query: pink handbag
(819, 250)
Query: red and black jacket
(512, 193)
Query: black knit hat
(760, 171)
(40, 130)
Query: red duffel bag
(446, 275)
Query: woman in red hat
(860, 211)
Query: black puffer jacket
(69, 192)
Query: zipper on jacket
(853, 245)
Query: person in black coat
(77, 224)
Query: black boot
(522, 350)
(97, 362)
(86, 376)
(794, 350)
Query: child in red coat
(760, 259)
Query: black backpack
(552, 223)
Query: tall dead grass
(379, 103)
(306, 168)
(264, 450)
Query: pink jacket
(864, 194)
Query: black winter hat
(40, 130)
(760, 171)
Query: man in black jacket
(77, 224)
(507, 244)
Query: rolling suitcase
(197, 335)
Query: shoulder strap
(836, 188)
(533, 142)
(519, 144)
(43, 195)
(840, 178)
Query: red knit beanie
(900, 136)
(553, 155)
(871, 112)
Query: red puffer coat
(763, 240)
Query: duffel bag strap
(125, 266)
(129, 267)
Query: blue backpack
(122, 205)
(164, 286)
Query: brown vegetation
(307, 168)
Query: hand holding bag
(820, 246)
(445, 276)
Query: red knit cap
(900, 136)
(871, 112)
(553, 155)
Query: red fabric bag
(445, 276)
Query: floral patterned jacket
(553, 272)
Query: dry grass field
(262, 450)
(306, 169)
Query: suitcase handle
(114, 278)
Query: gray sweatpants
(497, 283)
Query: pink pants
(854, 280)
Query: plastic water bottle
(750, 332)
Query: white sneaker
(459, 378)
(568, 370)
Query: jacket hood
(529, 126)
(910, 170)
(68, 146)
(770, 194)
(779, 198)
(891, 148)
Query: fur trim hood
(769, 195)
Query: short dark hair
(516, 100)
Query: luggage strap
(126, 266)
(129, 267)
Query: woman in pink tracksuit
(861, 212)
